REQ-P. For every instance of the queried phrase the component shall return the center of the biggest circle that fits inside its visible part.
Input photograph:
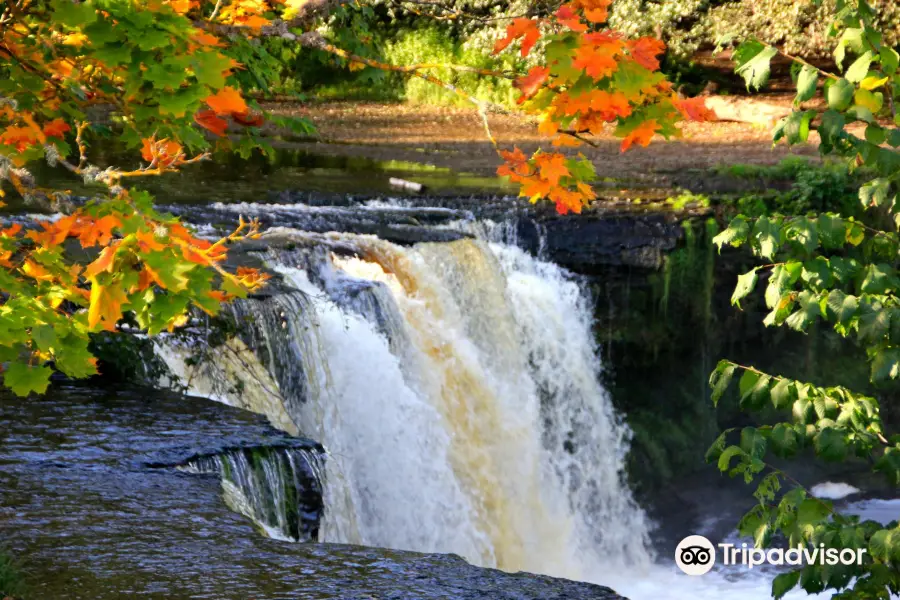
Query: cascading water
(455, 387)
(278, 488)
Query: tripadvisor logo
(696, 555)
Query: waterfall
(456, 389)
(279, 489)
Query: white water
(475, 422)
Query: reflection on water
(230, 178)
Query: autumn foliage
(166, 76)
(590, 79)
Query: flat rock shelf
(91, 512)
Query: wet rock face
(585, 244)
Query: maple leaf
(694, 109)
(595, 11)
(642, 134)
(610, 106)
(164, 152)
(36, 271)
(645, 50)
(516, 164)
(531, 83)
(552, 167)
(56, 128)
(567, 16)
(105, 305)
(598, 61)
(104, 262)
(19, 137)
(227, 101)
(209, 120)
(567, 200)
(524, 28)
(207, 39)
(99, 232)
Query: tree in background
(826, 268)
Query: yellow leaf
(873, 83)
(106, 305)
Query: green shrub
(435, 45)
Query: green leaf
(851, 38)
(874, 323)
(831, 445)
(840, 95)
(783, 583)
(23, 379)
(765, 238)
(783, 394)
(720, 379)
(809, 311)
(725, 458)
(753, 442)
(784, 440)
(795, 127)
(717, 447)
(873, 101)
(879, 545)
(74, 358)
(73, 14)
(745, 285)
(843, 306)
(890, 60)
(753, 62)
(831, 129)
(860, 67)
(885, 365)
(812, 511)
(875, 192)
(44, 337)
(878, 279)
(782, 279)
(806, 83)
(734, 235)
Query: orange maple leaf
(207, 39)
(531, 83)
(535, 188)
(598, 61)
(165, 152)
(552, 167)
(567, 16)
(524, 28)
(209, 120)
(595, 11)
(98, 232)
(227, 101)
(642, 134)
(516, 165)
(56, 128)
(645, 50)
